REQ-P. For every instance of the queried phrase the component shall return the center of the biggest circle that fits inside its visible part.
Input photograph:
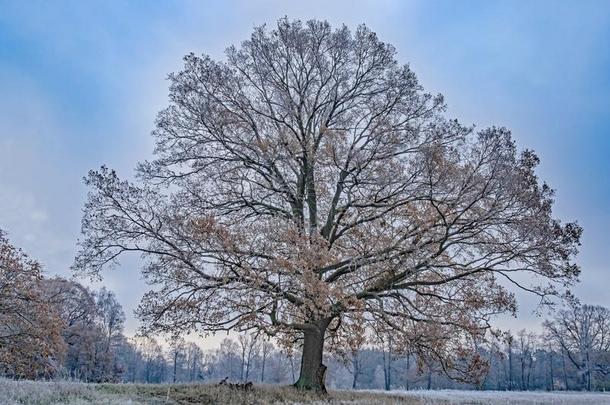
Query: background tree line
(571, 353)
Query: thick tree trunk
(313, 371)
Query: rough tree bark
(313, 371)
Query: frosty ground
(75, 393)
(503, 397)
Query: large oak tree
(306, 186)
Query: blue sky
(81, 83)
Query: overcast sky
(82, 81)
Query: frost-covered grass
(56, 393)
(260, 395)
(74, 393)
(505, 397)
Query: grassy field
(74, 393)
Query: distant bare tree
(509, 340)
(81, 330)
(229, 359)
(307, 184)
(111, 321)
(177, 351)
(526, 342)
(154, 363)
(583, 333)
(266, 348)
(75, 302)
(249, 348)
(194, 359)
